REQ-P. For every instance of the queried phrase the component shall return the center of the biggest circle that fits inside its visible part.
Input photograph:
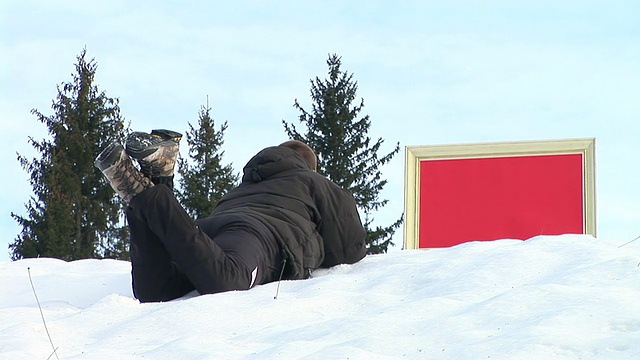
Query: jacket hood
(271, 161)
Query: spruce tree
(73, 213)
(204, 180)
(346, 155)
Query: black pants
(171, 254)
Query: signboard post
(511, 190)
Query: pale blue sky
(430, 72)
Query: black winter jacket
(314, 220)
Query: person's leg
(194, 253)
(154, 275)
(248, 242)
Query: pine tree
(346, 154)
(73, 213)
(205, 180)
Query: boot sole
(147, 144)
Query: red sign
(499, 198)
(509, 191)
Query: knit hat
(304, 150)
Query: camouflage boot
(122, 174)
(157, 153)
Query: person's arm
(341, 228)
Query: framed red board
(475, 192)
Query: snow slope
(550, 297)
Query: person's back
(314, 221)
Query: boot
(157, 153)
(123, 176)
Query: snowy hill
(551, 297)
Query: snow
(550, 297)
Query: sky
(575, 298)
(430, 73)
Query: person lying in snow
(283, 221)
